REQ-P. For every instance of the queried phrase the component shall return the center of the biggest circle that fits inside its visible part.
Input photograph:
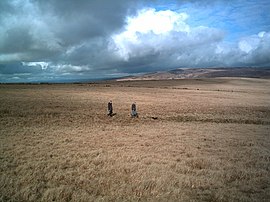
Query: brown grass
(210, 141)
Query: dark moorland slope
(184, 73)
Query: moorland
(194, 140)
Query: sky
(68, 40)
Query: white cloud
(257, 49)
(250, 43)
(158, 22)
(43, 65)
(164, 39)
(68, 68)
(150, 28)
(163, 33)
(261, 34)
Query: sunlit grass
(58, 144)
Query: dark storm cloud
(63, 31)
(76, 21)
(31, 25)
(20, 69)
(17, 38)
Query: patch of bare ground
(194, 140)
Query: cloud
(148, 29)
(42, 29)
(43, 65)
(25, 36)
(256, 49)
(89, 39)
(78, 21)
(174, 40)
(179, 44)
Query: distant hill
(191, 73)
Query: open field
(210, 141)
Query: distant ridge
(191, 73)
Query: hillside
(191, 73)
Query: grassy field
(209, 141)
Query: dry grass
(210, 141)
